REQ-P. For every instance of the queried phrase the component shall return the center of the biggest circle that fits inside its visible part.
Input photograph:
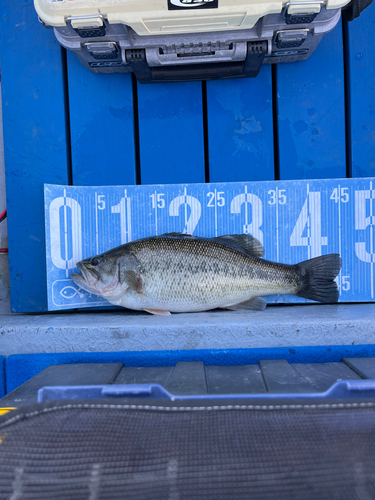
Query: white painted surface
(278, 326)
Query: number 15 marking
(157, 200)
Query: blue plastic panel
(21, 367)
(171, 133)
(102, 130)
(311, 111)
(295, 221)
(361, 54)
(240, 129)
(34, 142)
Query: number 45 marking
(340, 195)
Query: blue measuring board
(295, 221)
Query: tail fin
(317, 278)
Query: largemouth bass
(182, 273)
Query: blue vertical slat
(34, 143)
(240, 128)
(361, 54)
(2, 377)
(171, 133)
(102, 126)
(311, 111)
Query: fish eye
(95, 261)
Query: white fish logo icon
(68, 292)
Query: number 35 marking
(278, 193)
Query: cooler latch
(286, 39)
(301, 12)
(88, 26)
(102, 50)
(136, 58)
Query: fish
(175, 273)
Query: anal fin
(158, 312)
(254, 304)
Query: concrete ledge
(282, 326)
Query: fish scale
(179, 273)
(187, 277)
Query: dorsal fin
(181, 235)
(246, 242)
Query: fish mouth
(80, 281)
(87, 280)
(93, 282)
(88, 273)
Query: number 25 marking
(219, 198)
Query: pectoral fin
(157, 312)
(129, 272)
(255, 304)
(133, 280)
